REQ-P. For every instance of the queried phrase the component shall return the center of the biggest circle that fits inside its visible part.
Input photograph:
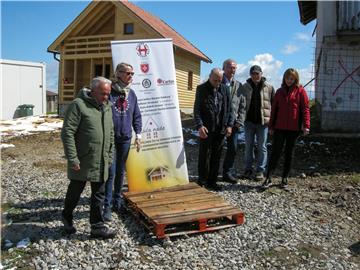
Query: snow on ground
(29, 125)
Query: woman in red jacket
(290, 114)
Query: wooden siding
(183, 64)
(141, 30)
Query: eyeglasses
(127, 72)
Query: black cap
(255, 69)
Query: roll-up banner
(161, 161)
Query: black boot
(69, 227)
(284, 182)
(267, 182)
(101, 231)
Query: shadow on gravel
(355, 249)
(137, 231)
(47, 202)
(243, 188)
(31, 220)
(36, 232)
(40, 212)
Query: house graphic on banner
(150, 129)
(158, 173)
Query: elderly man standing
(213, 120)
(88, 137)
(229, 67)
(255, 107)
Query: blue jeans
(231, 143)
(260, 132)
(116, 172)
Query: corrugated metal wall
(348, 15)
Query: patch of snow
(28, 125)
(6, 145)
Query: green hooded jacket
(88, 138)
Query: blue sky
(265, 33)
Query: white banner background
(161, 162)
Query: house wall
(337, 55)
(183, 64)
(326, 26)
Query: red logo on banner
(142, 49)
(144, 68)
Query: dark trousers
(73, 193)
(280, 138)
(231, 143)
(116, 175)
(209, 157)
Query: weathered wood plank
(185, 198)
(190, 217)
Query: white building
(21, 83)
(337, 62)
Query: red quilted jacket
(290, 109)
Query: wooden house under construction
(85, 51)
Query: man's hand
(203, 131)
(228, 131)
(306, 131)
(76, 167)
(137, 144)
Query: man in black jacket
(214, 121)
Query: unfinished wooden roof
(159, 26)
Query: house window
(98, 70)
(107, 71)
(190, 80)
(128, 28)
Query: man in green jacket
(88, 139)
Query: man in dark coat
(88, 139)
(214, 121)
(229, 172)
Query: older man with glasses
(126, 116)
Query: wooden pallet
(182, 209)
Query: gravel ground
(314, 224)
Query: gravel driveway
(315, 224)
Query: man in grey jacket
(229, 68)
(254, 110)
